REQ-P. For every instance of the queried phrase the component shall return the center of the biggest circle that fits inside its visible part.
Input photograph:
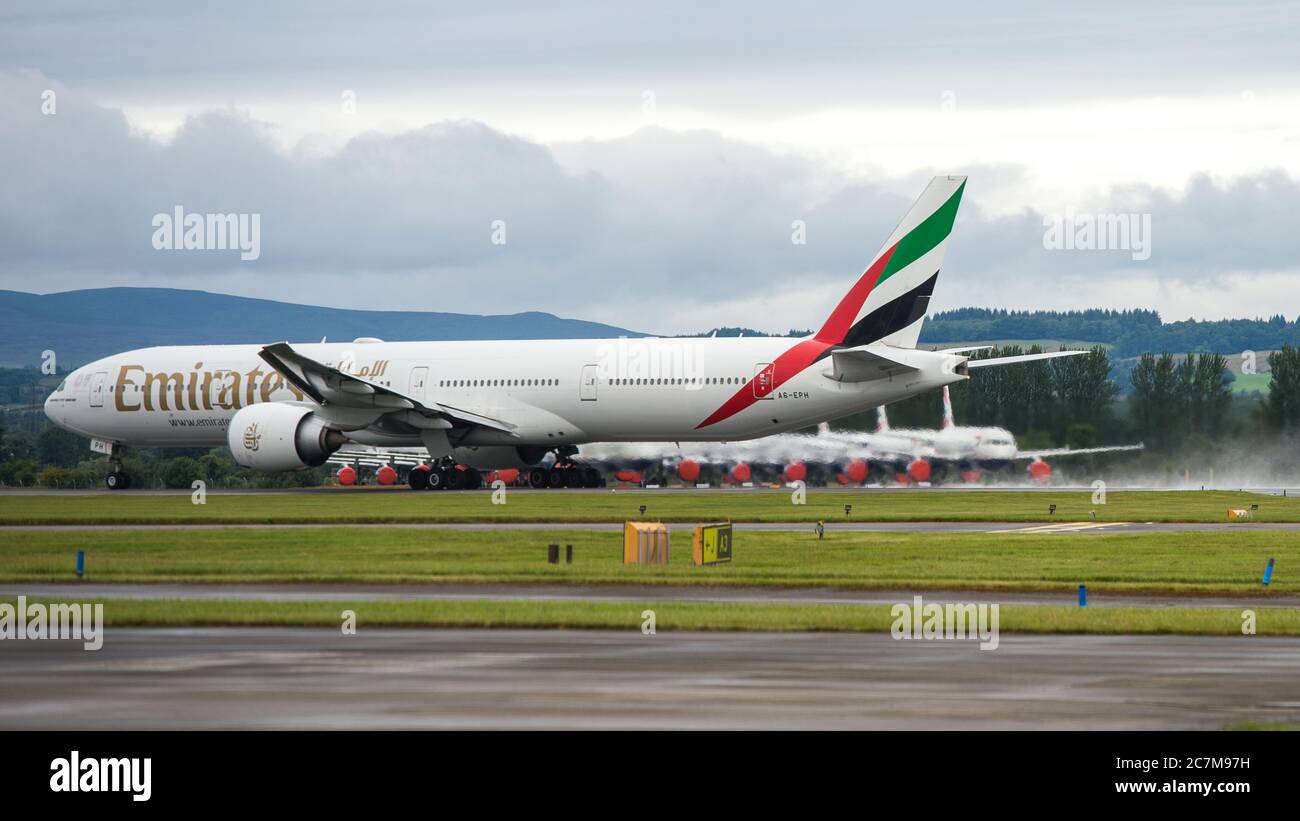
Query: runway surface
(225, 678)
(613, 593)
(1042, 528)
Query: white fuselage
(553, 392)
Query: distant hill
(81, 326)
(1128, 333)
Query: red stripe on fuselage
(804, 353)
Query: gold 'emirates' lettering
(374, 370)
(193, 391)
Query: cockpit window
(61, 386)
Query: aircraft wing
(1042, 454)
(328, 385)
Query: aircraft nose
(50, 409)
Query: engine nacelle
(275, 436)
(497, 457)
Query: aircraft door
(419, 376)
(587, 385)
(97, 383)
(764, 380)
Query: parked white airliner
(499, 404)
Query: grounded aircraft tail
(888, 302)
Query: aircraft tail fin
(882, 421)
(948, 421)
(888, 302)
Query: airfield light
(1051, 510)
(848, 509)
(642, 510)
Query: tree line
(1128, 333)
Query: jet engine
(1040, 471)
(277, 436)
(857, 471)
(919, 470)
(688, 470)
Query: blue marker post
(1083, 595)
(81, 564)
(1268, 572)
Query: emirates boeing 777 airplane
(500, 404)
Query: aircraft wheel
(590, 477)
(437, 479)
(455, 479)
(573, 477)
(418, 478)
(117, 480)
(537, 478)
(555, 478)
(473, 479)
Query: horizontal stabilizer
(972, 364)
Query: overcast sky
(648, 162)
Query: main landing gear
(445, 475)
(117, 478)
(565, 474)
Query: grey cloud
(641, 230)
(797, 55)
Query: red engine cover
(347, 475)
(742, 473)
(796, 472)
(1039, 470)
(919, 470)
(856, 471)
(386, 475)
(688, 470)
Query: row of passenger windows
(712, 380)
(534, 383)
(498, 383)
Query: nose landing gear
(117, 478)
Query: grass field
(404, 505)
(1229, 562)
(1248, 382)
(628, 616)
